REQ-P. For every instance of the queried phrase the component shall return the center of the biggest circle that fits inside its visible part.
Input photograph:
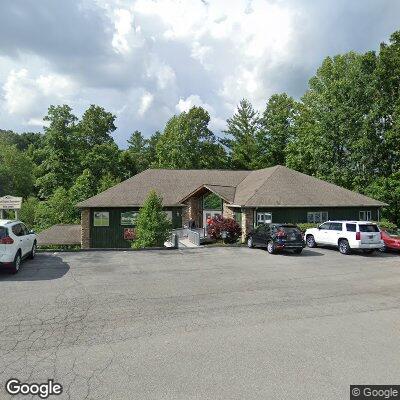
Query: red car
(391, 240)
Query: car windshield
(3, 232)
(369, 228)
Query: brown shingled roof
(62, 234)
(272, 187)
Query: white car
(16, 243)
(346, 236)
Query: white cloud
(28, 97)
(145, 103)
(191, 101)
(123, 27)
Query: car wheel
(368, 251)
(250, 243)
(33, 251)
(17, 263)
(383, 249)
(344, 246)
(297, 251)
(271, 247)
(311, 241)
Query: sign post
(10, 203)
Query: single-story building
(276, 194)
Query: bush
(220, 224)
(386, 225)
(152, 225)
(307, 225)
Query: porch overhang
(226, 193)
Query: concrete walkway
(185, 242)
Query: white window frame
(261, 217)
(365, 215)
(317, 217)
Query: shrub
(307, 225)
(152, 225)
(386, 225)
(220, 224)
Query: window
(169, 215)
(315, 217)
(18, 230)
(129, 217)
(325, 226)
(368, 228)
(264, 218)
(335, 226)
(351, 227)
(212, 202)
(101, 218)
(364, 215)
(3, 232)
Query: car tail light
(381, 235)
(6, 240)
(358, 236)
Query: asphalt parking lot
(210, 323)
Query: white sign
(10, 203)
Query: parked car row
(346, 236)
(16, 244)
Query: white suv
(16, 243)
(346, 235)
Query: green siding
(299, 215)
(112, 236)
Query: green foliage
(58, 209)
(277, 130)
(212, 202)
(152, 226)
(386, 225)
(27, 214)
(16, 168)
(188, 143)
(242, 132)
(306, 225)
(107, 181)
(83, 188)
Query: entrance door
(209, 214)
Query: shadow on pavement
(44, 267)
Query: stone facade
(247, 221)
(227, 212)
(192, 211)
(85, 229)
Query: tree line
(345, 129)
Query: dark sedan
(277, 237)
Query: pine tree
(152, 225)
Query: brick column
(226, 211)
(247, 221)
(85, 228)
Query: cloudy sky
(145, 60)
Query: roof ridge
(263, 183)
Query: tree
(107, 181)
(242, 134)
(58, 209)
(152, 225)
(331, 135)
(277, 130)
(187, 142)
(16, 168)
(96, 126)
(84, 187)
(60, 153)
(28, 212)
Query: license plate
(370, 236)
